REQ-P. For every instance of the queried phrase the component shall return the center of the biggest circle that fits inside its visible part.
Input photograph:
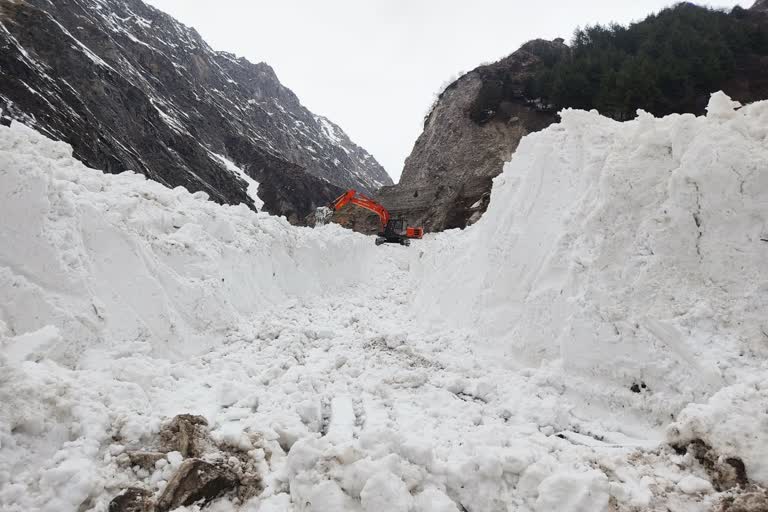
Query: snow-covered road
(595, 343)
(342, 387)
(353, 390)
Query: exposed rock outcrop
(130, 88)
(479, 120)
(186, 434)
(760, 6)
(467, 137)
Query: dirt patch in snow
(754, 501)
(725, 472)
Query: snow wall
(629, 252)
(625, 252)
(116, 259)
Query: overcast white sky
(374, 66)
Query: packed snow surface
(611, 302)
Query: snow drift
(611, 300)
(111, 259)
(106, 279)
(628, 255)
(630, 251)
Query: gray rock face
(196, 481)
(760, 6)
(130, 88)
(186, 434)
(132, 500)
(447, 179)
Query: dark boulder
(196, 481)
(132, 500)
(473, 128)
(186, 434)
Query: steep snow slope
(639, 242)
(124, 303)
(627, 253)
(118, 258)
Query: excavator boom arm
(351, 196)
(392, 230)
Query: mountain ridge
(134, 89)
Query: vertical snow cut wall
(114, 259)
(628, 251)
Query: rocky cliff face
(760, 6)
(130, 88)
(478, 122)
(467, 137)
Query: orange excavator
(393, 231)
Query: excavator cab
(398, 232)
(395, 232)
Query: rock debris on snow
(196, 481)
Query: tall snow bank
(115, 259)
(734, 422)
(627, 251)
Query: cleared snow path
(344, 395)
(611, 301)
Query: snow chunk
(434, 500)
(734, 422)
(573, 492)
(21, 347)
(385, 491)
(327, 496)
(233, 434)
(694, 485)
(722, 106)
(175, 459)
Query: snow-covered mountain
(131, 88)
(595, 342)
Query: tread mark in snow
(359, 409)
(341, 420)
(470, 398)
(697, 218)
(325, 415)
